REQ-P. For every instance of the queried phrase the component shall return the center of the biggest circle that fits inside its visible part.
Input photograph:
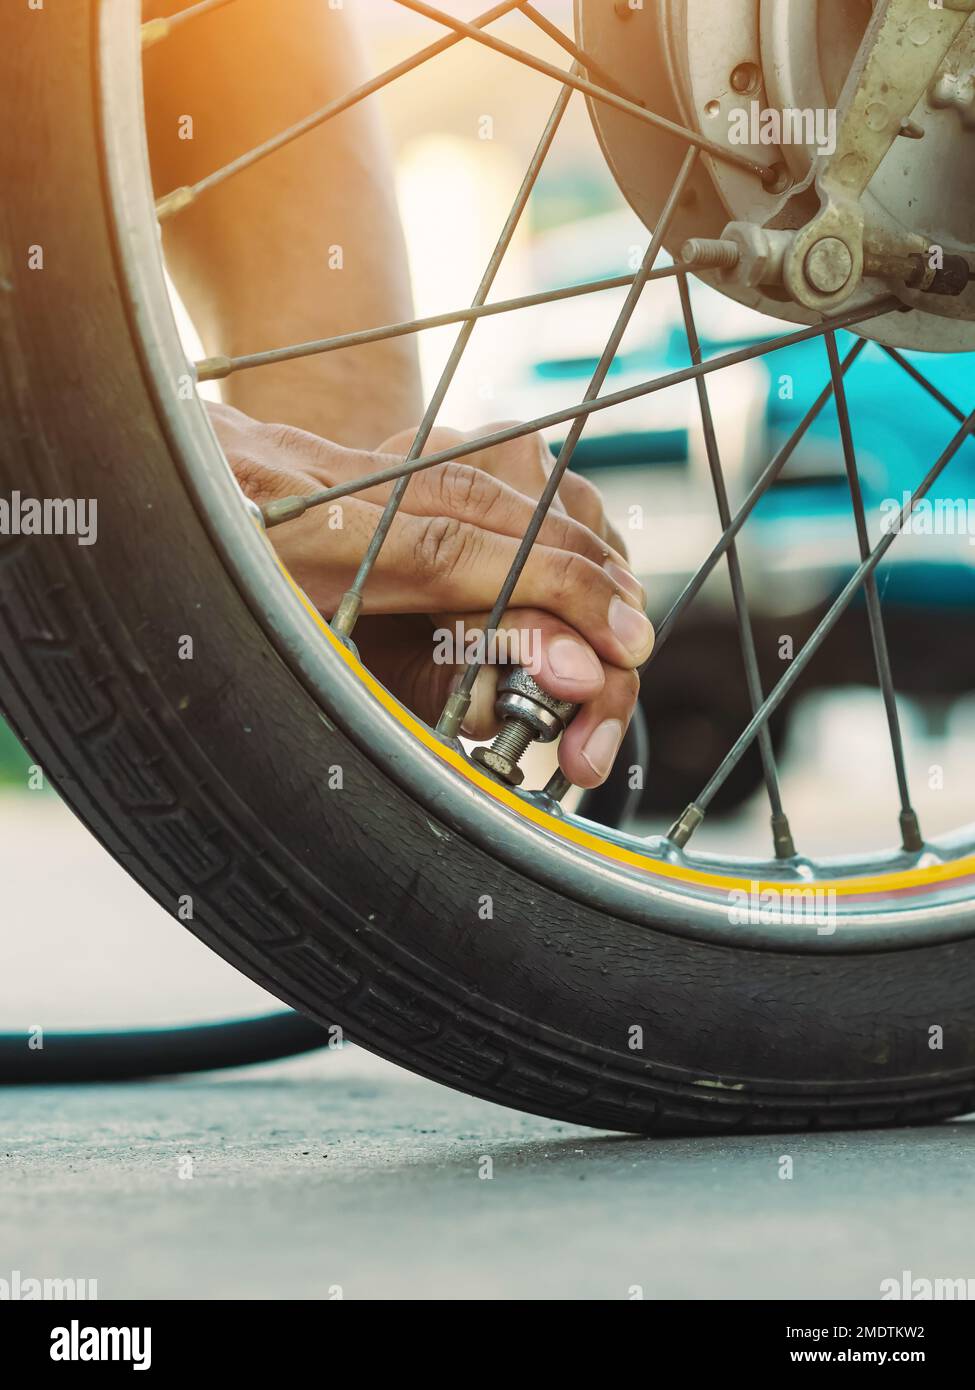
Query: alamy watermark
(926, 1290)
(76, 1342)
(756, 124)
(939, 516)
(50, 516)
(24, 1287)
(786, 906)
(461, 646)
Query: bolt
(776, 177)
(828, 265)
(705, 253)
(745, 78)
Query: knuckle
(286, 437)
(507, 447)
(578, 537)
(582, 498)
(255, 480)
(441, 547)
(464, 488)
(568, 575)
(524, 449)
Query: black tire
(210, 777)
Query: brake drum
(702, 63)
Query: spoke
(682, 830)
(762, 484)
(347, 613)
(910, 830)
(585, 59)
(288, 508)
(216, 368)
(458, 702)
(781, 834)
(155, 29)
(603, 94)
(922, 380)
(180, 198)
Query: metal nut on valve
(530, 716)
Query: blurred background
(99, 952)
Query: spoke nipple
(347, 614)
(284, 509)
(171, 203)
(454, 713)
(705, 253)
(153, 31)
(782, 837)
(911, 837)
(213, 368)
(682, 830)
(557, 786)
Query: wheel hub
(766, 78)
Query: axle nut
(828, 265)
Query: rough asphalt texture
(339, 1171)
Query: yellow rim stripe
(896, 881)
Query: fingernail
(626, 580)
(572, 661)
(631, 627)
(602, 746)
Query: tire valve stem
(529, 715)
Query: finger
(440, 437)
(479, 491)
(525, 464)
(590, 743)
(584, 501)
(562, 662)
(558, 658)
(438, 564)
(473, 496)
